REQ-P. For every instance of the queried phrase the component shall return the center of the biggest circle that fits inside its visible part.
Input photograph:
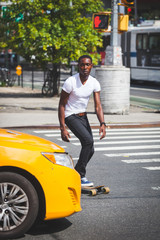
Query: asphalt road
(145, 94)
(145, 91)
(128, 162)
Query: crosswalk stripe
(108, 130)
(121, 142)
(53, 135)
(142, 160)
(127, 147)
(131, 154)
(152, 168)
(129, 133)
(75, 158)
(108, 133)
(127, 129)
(46, 131)
(128, 142)
(156, 188)
(123, 137)
(127, 137)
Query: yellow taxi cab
(37, 180)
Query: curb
(114, 125)
(149, 101)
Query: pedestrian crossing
(137, 145)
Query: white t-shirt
(79, 93)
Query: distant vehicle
(37, 180)
(141, 52)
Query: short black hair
(84, 56)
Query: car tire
(19, 205)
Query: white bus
(141, 52)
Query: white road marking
(156, 188)
(127, 147)
(108, 130)
(129, 133)
(53, 135)
(131, 154)
(47, 131)
(117, 137)
(142, 160)
(108, 134)
(75, 159)
(121, 142)
(152, 168)
(127, 129)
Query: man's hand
(102, 131)
(65, 135)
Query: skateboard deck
(95, 190)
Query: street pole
(114, 31)
(135, 13)
(114, 52)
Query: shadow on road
(21, 95)
(49, 227)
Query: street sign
(18, 70)
(101, 21)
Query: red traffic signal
(100, 21)
(129, 10)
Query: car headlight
(63, 159)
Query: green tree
(53, 31)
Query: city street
(128, 162)
(109, 53)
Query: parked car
(37, 180)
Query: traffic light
(128, 2)
(123, 23)
(100, 21)
(129, 10)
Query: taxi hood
(9, 137)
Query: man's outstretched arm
(100, 115)
(61, 114)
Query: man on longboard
(72, 112)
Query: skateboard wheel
(93, 192)
(105, 190)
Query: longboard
(95, 190)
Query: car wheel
(19, 205)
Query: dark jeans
(82, 130)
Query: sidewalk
(23, 107)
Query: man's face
(85, 66)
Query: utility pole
(114, 52)
(114, 32)
(135, 13)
